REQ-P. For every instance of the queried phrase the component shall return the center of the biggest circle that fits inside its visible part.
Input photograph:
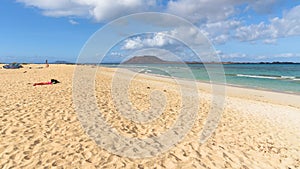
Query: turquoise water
(278, 77)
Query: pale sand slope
(39, 126)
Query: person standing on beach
(47, 65)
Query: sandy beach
(40, 127)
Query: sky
(238, 30)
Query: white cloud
(280, 56)
(220, 32)
(265, 6)
(59, 8)
(100, 11)
(288, 25)
(133, 43)
(215, 11)
(270, 41)
(191, 36)
(215, 19)
(232, 55)
(158, 40)
(203, 10)
(73, 22)
(220, 10)
(243, 56)
(287, 55)
(116, 54)
(104, 10)
(255, 32)
(47, 4)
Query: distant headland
(156, 60)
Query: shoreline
(227, 84)
(257, 94)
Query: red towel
(43, 83)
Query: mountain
(145, 60)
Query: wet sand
(40, 127)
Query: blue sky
(244, 30)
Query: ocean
(275, 77)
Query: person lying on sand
(53, 81)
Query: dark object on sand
(53, 81)
(13, 66)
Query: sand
(40, 127)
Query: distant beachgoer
(47, 65)
(53, 81)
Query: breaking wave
(269, 77)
